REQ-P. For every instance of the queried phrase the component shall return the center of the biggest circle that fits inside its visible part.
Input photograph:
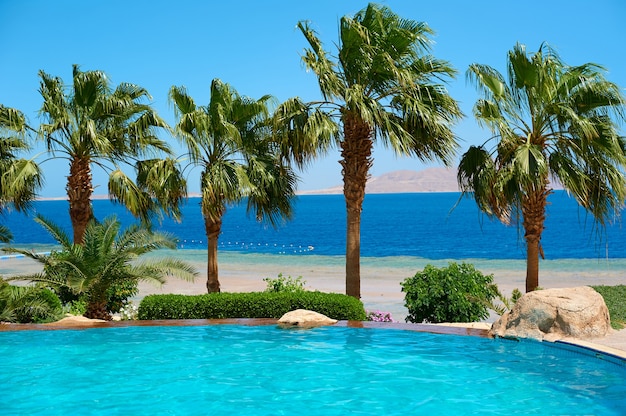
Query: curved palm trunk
(534, 212)
(213, 229)
(356, 151)
(79, 189)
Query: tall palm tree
(231, 140)
(19, 178)
(549, 121)
(91, 124)
(106, 257)
(383, 85)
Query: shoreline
(380, 277)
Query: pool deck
(613, 344)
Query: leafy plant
(75, 307)
(104, 269)
(505, 304)
(284, 284)
(615, 299)
(448, 294)
(119, 292)
(26, 304)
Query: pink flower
(378, 316)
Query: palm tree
(383, 85)
(19, 178)
(231, 140)
(549, 121)
(91, 124)
(105, 258)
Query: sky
(255, 47)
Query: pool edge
(79, 325)
(445, 329)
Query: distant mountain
(404, 181)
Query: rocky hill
(404, 181)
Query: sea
(395, 228)
(427, 225)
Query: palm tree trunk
(79, 189)
(356, 151)
(98, 310)
(213, 229)
(534, 212)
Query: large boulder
(553, 314)
(305, 318)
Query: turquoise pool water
(263, 370)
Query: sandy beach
(380, 284)
(380, 277)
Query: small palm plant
(105, 258)
(505, 304)
(27, 304)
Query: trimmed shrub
(457, 293)
(249, 305)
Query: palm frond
(316, 60)
(163, 181)
(125, 190)
(20, 181)
(55, 231)
(5, 234)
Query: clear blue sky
(255, 47)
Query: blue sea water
(423, 225)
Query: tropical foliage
(285, 284)
(106, 258)
(383, 85)
(25, 304)
(448, 294)
(20, 179)
(231, 140)
(92, 124)
(614, 298)
(550, 121)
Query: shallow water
(267, 371)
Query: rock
(305, 318)
(74, 320)
(553, 314)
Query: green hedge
(249, 305)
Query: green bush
(76, 307)
(119, 292)
(615, 299)
(249, 305)
(284, 284)
(457, 293)
(25, 304)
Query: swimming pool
(263, 370)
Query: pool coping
(470, 329)
(78, 325)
